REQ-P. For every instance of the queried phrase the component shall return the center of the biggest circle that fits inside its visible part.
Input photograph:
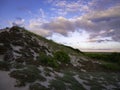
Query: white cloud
(64, 7)
(35, 26)
(59, 25)
(18, 21)
(96, 23)
(111, 12)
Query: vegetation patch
(37, 86)
(4, 65)
(72, 83)
(58, 85)
(111, 66)
(62, 56)
(18, 65)
(47, 60)
(52, 61)
(29, 74)
(111, 57)
(110, 61)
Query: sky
(88, 25)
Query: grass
(111, 57)
(110, 61)
(111, 66)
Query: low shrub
(62, 56)
(47, 60)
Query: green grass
(110, 61)
(111, 66)
(110, 57)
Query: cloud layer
(100, 22)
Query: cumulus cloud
(59, 25)
(98, 23)
(35, 25)
(104, 21)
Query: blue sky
(89, 25)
